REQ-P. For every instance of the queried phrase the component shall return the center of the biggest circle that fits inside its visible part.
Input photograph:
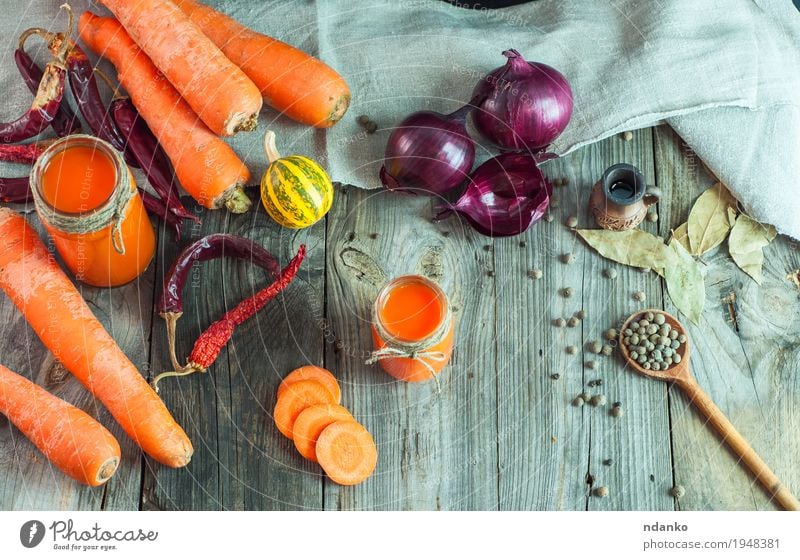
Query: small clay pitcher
(620, 199)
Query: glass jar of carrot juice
(86, 198)
(412, 328)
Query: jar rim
(437, 333)
(63, 144)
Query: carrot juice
(86, 198)
(412, 329)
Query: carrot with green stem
(213, 86)
(206, 166)
(295, 83)
(72, 440)
(60, 317)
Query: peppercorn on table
(501, 431)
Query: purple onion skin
(527, 105)
(504, 197)
(429, 153)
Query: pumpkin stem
(270, 147)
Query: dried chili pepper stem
(210, 343)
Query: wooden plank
(30, 481)
(260, 468)
(192, 400)
(747, 366)
(435, 450)
(555, 447)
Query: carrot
(310, 423)
(296, 84)
(206, 166)
(56, 311)
(295, 400)
(312, 373)
(218, 91)
(71, 439)
(347, 452)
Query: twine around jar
(111, 212)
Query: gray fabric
(724, 73)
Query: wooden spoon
(681, 375)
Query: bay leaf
(633, 247)
(681, 235)
(731, 215)
(708, 222)
(746, 245)
(685, 284)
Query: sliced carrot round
(310, 423)
(295, 399)
(347, 452)
(312, 373)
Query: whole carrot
(295, 83)
(65, 324)
(206, 166)
(218, 91)
(71, 439)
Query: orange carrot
(312, 373)
(56, 311)
(218, 91)
(206, 166)
(347, 452)
(297, 397)
(71, 439)
(296, 84)
(310, 423)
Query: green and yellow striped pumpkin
(295, 190)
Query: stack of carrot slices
(308, 412)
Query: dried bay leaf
(746, 243)
(709, 222)
(685, 284)
(633, 247)
(681, 235)
(731, 215)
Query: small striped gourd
(295, 191)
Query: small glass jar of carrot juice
(412, 328)
(86, 198)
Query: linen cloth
(725, 74)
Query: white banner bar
(369, 535)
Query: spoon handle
(775, 488)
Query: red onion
(504, 196)
(526, 106)
(429, 152)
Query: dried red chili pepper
(83, 85)
(22, 153)
(170, 305)
(42, 110)
(15, 189)
(208, 346)
(143, 145)
(65, 122)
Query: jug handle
(652, 195)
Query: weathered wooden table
(501, 434)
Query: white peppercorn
(572, 222)
(601, 491)
(610, 273)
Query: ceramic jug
(620, 199)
